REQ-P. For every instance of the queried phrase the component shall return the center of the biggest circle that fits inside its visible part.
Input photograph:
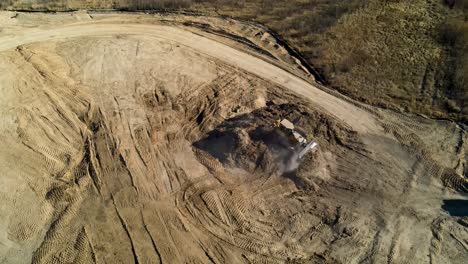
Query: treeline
(156, 4)
(63, 5)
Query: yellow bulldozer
(286, 129)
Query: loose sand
(133, 138)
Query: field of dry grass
(454, 34)
(404, 55)
(408, 55)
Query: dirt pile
(252, 142)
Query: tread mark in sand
(124, 226)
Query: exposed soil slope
(136, 139)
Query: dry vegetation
(454, 34)
(402, 54)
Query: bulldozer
(298, 142)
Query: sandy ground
(145, 139)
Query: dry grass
(386, 53)
(454, 34)
(409, 55)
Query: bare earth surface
(133, 138)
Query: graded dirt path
(134, 138)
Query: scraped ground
(146, 139)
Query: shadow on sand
(456, 207)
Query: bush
(5, 3)
(159, 4)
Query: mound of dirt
(252, 143)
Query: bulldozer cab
(286, 129)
